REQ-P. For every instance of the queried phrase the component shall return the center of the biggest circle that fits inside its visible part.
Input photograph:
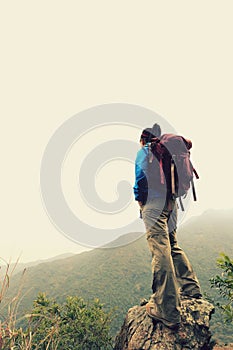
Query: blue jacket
(147, 176)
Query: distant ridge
(125, 239)
(21, 266)
(216, 215)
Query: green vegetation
(50, 325)
(118, 277)
(73, 324)
(224, 285)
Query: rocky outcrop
(140, 332)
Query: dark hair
(146, 135)
(149, 133)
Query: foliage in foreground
(73, 324)
(223, 283)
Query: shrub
(223, 283)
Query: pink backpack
(176, 170)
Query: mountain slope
(121, 276)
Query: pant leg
(184, 271)
(165, 289)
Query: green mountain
(121, 276)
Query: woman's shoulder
(142, 154)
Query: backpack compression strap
(173, 178)
(192, 184)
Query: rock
(140, 332)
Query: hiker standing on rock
(163, 172)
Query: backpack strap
(196, 174)
(173, 178)
(181, 204)
(162, 177)
(194, 191)
(150, 154)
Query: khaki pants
(170, 266)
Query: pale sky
(60, 58)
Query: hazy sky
(60, 58)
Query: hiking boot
(152, 311)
